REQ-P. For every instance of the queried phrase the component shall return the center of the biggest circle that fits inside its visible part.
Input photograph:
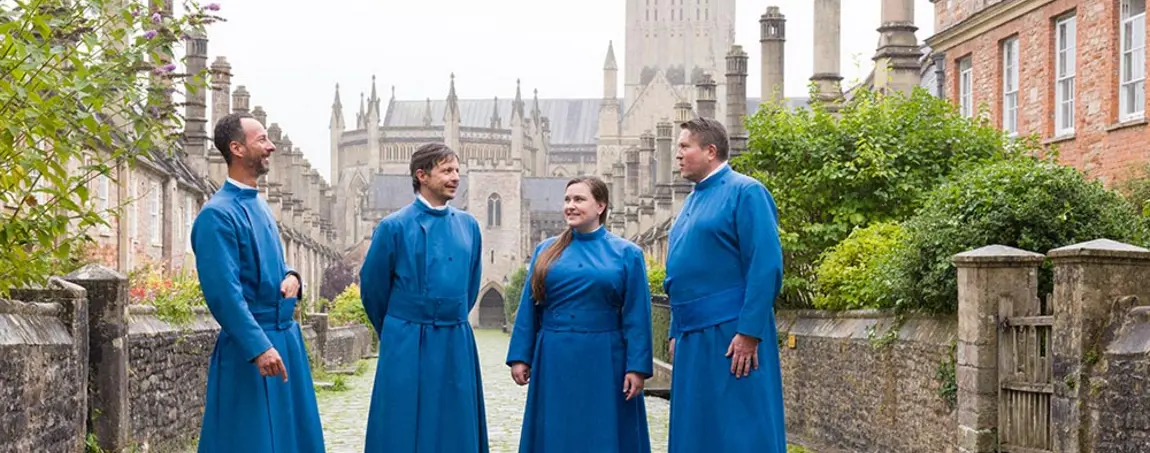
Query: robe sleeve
(476, 266)
(218, 265)
(637, 314)
(522, 345)
(375, 276)
(756, 224)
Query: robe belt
(580, 320)
(709, 310)
(421, 309)
(274, 315)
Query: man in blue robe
(724, 270)
(419, 281)
(260, 397)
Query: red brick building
(1071, 71)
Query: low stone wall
(347, 344)
(44, 369)
(168, 375)
(847, 387)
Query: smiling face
(582, 211)
(254, 154)
(439, 185)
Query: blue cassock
(419, 281)
(240, 262)
(593, 327)
(724, 270)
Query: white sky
(291, 53)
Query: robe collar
(425, 207)
(238, 189)
(598, 233)
(715, 177)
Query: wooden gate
(1024, 367)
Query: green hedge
(1028, 203)
(512, 293)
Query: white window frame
(154, 204)
(1065, 62)
(966, 87)
(1010, 85)
(1132, 72)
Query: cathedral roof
(573, 121)
(391, 192)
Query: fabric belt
(580, 320)
(712, 309)
(274, 316)
(421, 309)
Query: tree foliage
(336, 279)
(76, 103)
(512, 293)
(869, 163)
(1028, 203)
(848, 277)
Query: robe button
(449, 258)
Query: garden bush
(656, 273)
(1028, 203)
(347, 308)
(848, 276)
(870, 162)
(512, 293)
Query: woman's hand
(520, 373)
(632, 385)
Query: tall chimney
(705, 96)
(896, 61)
(827, 44)
(772, 38)
(646, 156)
(663, 156)
(240, 100)
(736, 99)
(221, 106)
(196, 105)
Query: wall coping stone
(16, 307)
(1100, 249)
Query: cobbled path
(344, 413)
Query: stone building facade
(1070, 71)
(155, 202)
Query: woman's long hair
(548, 256)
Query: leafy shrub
(175, 297)
(848, 277)
(347, 308)
(514, 291)
(656, 273)
(872, 163)
(1027, 203)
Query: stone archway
(491, 310)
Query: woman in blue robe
(582, 336)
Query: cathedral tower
(682, 38)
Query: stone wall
(43, 365)
(345, 345)
(849, 387)
(168, 374)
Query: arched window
(494, 211)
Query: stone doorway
(491, 310)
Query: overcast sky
(291, 53)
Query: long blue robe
(419, 281)
(240, 262)
(724, 270)
(593, 327)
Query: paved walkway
(344, 413)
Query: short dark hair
(229, 129)
(709, 132)
(426, 158)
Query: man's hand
(671, 349)
(520, 373)
(290, 286)
(632, 385)
(744, 353)
(271, 364)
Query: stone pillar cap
(999, 255)
(1101, 248)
